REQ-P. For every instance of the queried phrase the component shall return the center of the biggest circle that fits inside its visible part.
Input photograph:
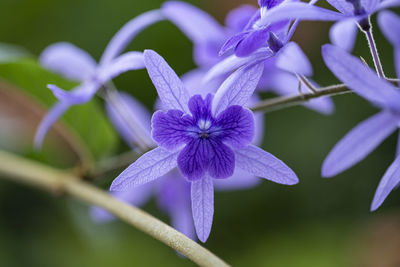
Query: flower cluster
(203, 134)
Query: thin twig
(32, 173)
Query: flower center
(204, 126)
(358, 8)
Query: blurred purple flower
(366, 136)
(205, 138)
(76, 64)
(389, 23)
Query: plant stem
(374, 53)
(35, 174)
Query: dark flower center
(358, 8)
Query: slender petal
(359, 142)
(298, 10)
(390, 180)
(360, 78)
(238, 18)
(238, 181)
(251, 42)
(233, 41)
(49, 119)
(343, 6)
(148, 167)
(291, 58)
(387, 21)
(237, 126)
(343, 34)
(194, 22)
(238, 88)
(125, 35)
(125, 62)
(68, 60)
(202, 194)
(78, 95)
(263, 164)
(170, 129)
(136, 197)
(388, 4)
(170, 88)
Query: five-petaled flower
(205, 138)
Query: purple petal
(125, 62)
(359, 142)
(193, 81)
(237, 125)
(343, 34)
(252, 41)
(200, 108)
(237, 88)
(170, 129)
(202, 194)
(125, 35)
(291, 58)
(398, 145)
(205, 54)
(233, 42)
(239, 180)
(68, 60)
(136, 197)
(301, 11)
(238, 18)
(147, 168)
(49, 119)
(389, 181)
(387, 21)
(388, 4)
(78, 95)
(137, 114)
(360, 78)
(263, 164)
(169, 87)
(343, 6)
(370, 5)
(222, 160)
(397, 60)
(231, 63)
(269, 3)
(194, 22)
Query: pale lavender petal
(69, 61)
(231, 63)
(343, 34)
(238, 18)
(263, 164)
(237, 88)
(125, 35)
(170, 88)
(233, 41)
(301, 11)
(388, 4)
(147, 168)
(360, 78)
(193, 81)
(253, 41)
(78, 95)
(202, 194)
(123, 63)
(205, 54)
(388, 22)
(389, 182)
(137, 197)
(49, 119)
(135, 111)
(237, 125)
(239, 180)
(194, 22)
(398, 145)
(359, 142)
(170, 129)
(291, 58)
(370, 5)
(343, 6)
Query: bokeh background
(319, 222)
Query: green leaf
(88, 121)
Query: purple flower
(76, 64)
(366, 136)
(351, 12)
(205, 138)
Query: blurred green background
(319, 222)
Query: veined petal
(147, 168)
(170, 88)
(200, 108)
(69, 61)
(343, 34)
(123, 63)
(237, 88)
(202, 194)
(360, 78)
(171, 129)
(299, 10)
(193, 160)
(129, 31)
(222, 160)
(194, 22)
(263, 164)
(359, 142)
(387, 21)
(291, 58)
(49, 119)
(136, 197)
(236, 125)
(389, 181)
